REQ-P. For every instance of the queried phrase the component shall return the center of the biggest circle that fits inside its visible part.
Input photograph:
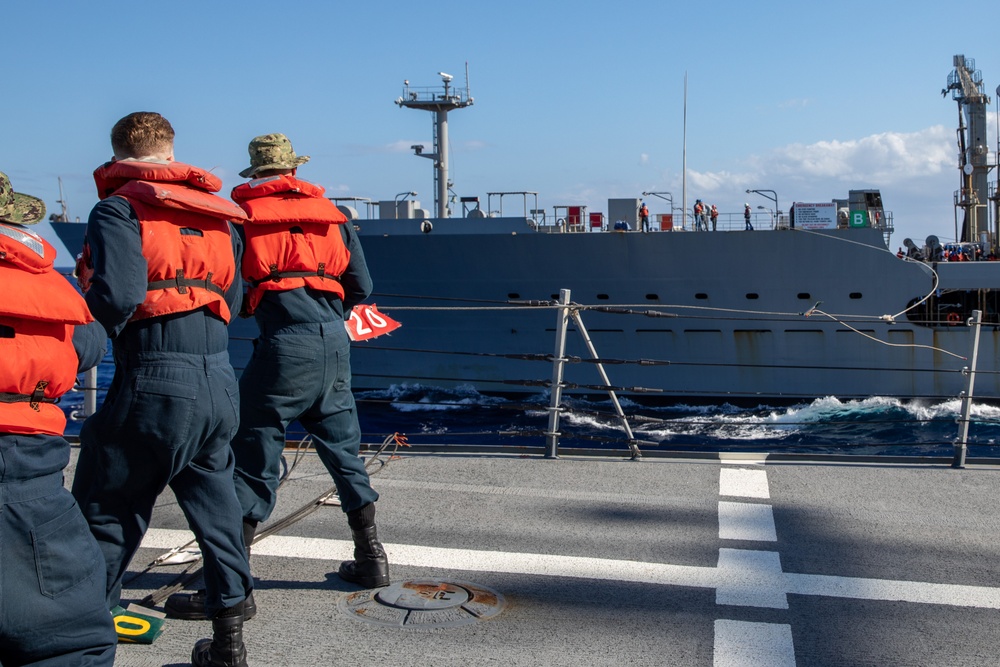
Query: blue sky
(578, 101)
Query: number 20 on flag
(365, 322)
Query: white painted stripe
(743, 483)
(469, 560)
(742, 644)
(750, 579)
(899, 591)
(742, 458)
(526, 492)
(746, 521)
(724, 576)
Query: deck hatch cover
(423, 604)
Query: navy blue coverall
(52, 603)
(301, 370)
(168, 418)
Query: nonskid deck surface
(609, 562)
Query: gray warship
(813, 302)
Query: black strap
(34, 398)
(181, 284)
(275, 275)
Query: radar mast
(966, 86)
(440, 103)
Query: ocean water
(872, 426)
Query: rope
(193, 570)
(887, 343)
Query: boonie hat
(16, 207)
(272, 151)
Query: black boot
(249, 530)
(225, 648)
(370, 567)
(191, 606)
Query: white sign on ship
(815, 216)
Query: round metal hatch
(423, 604)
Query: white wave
(421, 398)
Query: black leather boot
(191, 606)
(370, 567)
(249, 530)
(225, 648)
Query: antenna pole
(684, 166)
(440, 104)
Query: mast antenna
(433, 100)
(64, 215)
(966, 85)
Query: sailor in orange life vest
(161, 277)
(305, 270)
(52, 606)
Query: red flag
(365, 322)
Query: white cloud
(917, 172)
(400, 146)
(470, 145)
(886, 158)
(798, 103)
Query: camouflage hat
(18, 208)
(272, 151)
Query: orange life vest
(293, 238)
(185, 234)
(37, 314)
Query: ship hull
(726, 316)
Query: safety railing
(592, 421)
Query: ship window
(513, 295)
(603, 297)
(855, 295)
(804, 295)
(701, 296)
(653, 297)
(752, 295)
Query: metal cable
(193, 570)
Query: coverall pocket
(288, 366)
(65, 552)
(233, 391)
(342, 359)
(162, 411)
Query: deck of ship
(602, 561)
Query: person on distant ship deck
(163, 256)
(52, 605)
(305, 270)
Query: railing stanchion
(962, 444)
(633, 447)
(558, 365)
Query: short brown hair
(141, 134)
